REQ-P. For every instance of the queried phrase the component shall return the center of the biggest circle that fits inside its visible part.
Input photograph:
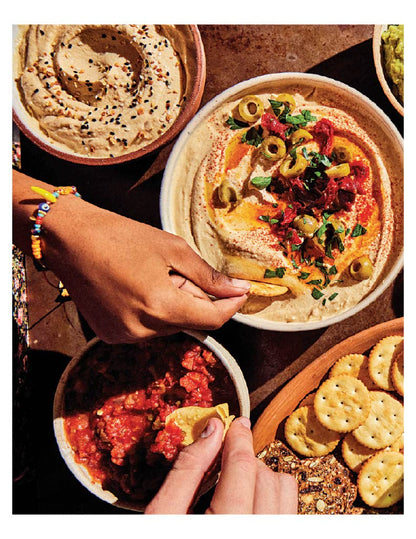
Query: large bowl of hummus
(105, 94)
(295, 182)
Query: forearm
(119, 271)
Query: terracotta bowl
(378, 62)
(197, 74)
(175, 199)
(68, 454)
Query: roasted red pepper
(323, 132)
(270, 122)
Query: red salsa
(116, 402)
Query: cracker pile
(358, 413)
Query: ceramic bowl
(67, 452)
(379, 65)
(175, 200)
(193, 57)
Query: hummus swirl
(101, 90)
(302, 217)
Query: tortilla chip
(192, 420)
(267, 289)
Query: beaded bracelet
(43, 208)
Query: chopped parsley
(317, 294)
(235, 124)
(294, 263)
(261, 182)
(253, 136)
(358, 230)
(278, 272)
(300, 120)
(317, 282)
(276, 106)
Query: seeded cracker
(380, 481)
(397, 373)
(342, 403)
(307, 436)
(380, 361)
(384, 423)
(354, 365)
(324, 485)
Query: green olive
(273, 148)
(338, 171)
(306, 224)
(291, 168)
(361, 268)
(342, 153)
(288, 100)
(228, 194)
(300, 135)
(250, 108)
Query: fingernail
(209, 429)
(244, 421)
(241, 284)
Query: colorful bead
(42, 210)
(44, 206)
(44, 193)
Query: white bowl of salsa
(112, 400)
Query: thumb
(209, 279)
(181, 484)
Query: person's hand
(132, 281)
(246, 484)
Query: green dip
(393, 52)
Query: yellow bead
(44, 193)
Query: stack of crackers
(357, 411)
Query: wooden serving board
(264, 430)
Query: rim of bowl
(378, 62)
(186, 114)
(66, 451)
(204, 112)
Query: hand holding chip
(246, 485)
(129, 280)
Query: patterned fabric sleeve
(21, 381)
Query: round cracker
(342, 403)
(307, 436)
(380, 361)
(384, 423)
(354, 453)
(380, 481)
(398, 444)
(354, 365)
(397, 373)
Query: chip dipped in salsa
(118, 398)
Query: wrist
(60, 229)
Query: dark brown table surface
(268, 359)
